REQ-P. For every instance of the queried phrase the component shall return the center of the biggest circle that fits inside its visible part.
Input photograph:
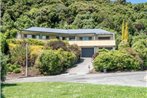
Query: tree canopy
(104, 14)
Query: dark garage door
(87, 52)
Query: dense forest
(105, 14)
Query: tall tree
(126, 32)
(123, 29)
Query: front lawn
(70, 90)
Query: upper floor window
(104, 38)
(86, 38)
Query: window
(85, 38)
(25, 35)
(33, 36)
(47, 37)
(104, 38)
(63, 38)
(72, 38)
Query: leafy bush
(56, 44)
(14, 68)
(35, 51)
(68, 59)
(23, 41)
(76, 50)
(52, 62)
(115, 61)
(49, 63)
(18, 55)
(141, 47)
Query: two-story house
(90, 40)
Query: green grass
(70, 90)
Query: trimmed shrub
(49, 63)
(115, 61)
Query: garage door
(87, 52)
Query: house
(90, 40)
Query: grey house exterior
(90, 40)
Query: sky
(137, 1)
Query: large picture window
(86, 38)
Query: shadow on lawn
(3, 85)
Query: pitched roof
(67, 31)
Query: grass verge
(70, 90)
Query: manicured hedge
(115, 61)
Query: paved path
(124, 78)
(82, 67)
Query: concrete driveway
(122, 78)
(82, 68)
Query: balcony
(92, 43)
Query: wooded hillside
(21, 14)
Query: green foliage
(4, 48)
(68, 59)
(141, 47)
(18, 55)
(49, 63)
(52, 62)
(123, 45)
(103, 14)
(56, 44)
(15, 68)
(23, 41)
(3, 68)
(112, 61)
